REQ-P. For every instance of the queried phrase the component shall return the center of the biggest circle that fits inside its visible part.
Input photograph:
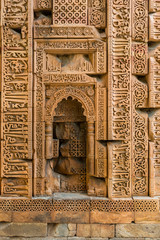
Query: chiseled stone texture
(152, 238)
(23, 230)
(58, 230)
(40, 231)
(128, 238)
(138, 230)
(62, 230)
(53, 238)
(83, 238)
(35, 238)
(95, 230)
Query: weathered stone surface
(116, 238)
(105, 217)
(82, 238)
(102, 231)
(83, 230)
(72, 230)
(77, 238)
(34, 238)
(58, 230)
(23, 229)
(62, 230)
(95, 230)
(138, 230)
(152, 238)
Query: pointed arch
(75, 93)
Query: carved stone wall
(80, 108)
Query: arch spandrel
(75, 93)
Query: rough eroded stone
(23, 229)
(95, 230)
(138, 230)
(58, 230)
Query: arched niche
(81, 110)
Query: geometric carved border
(78, 205)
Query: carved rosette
(42, 4)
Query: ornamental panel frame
(41, 48)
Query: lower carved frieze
(79, 205)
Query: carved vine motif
(140, 95)
(140, 20)
(140, 180)
(140, 58)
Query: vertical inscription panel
(119, 98)
(16, 98)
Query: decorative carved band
(140, 20)
(140, 154)
(80, 205)
(65, 32)
(139, 59)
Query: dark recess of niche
(18, 30)
(46, 13)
